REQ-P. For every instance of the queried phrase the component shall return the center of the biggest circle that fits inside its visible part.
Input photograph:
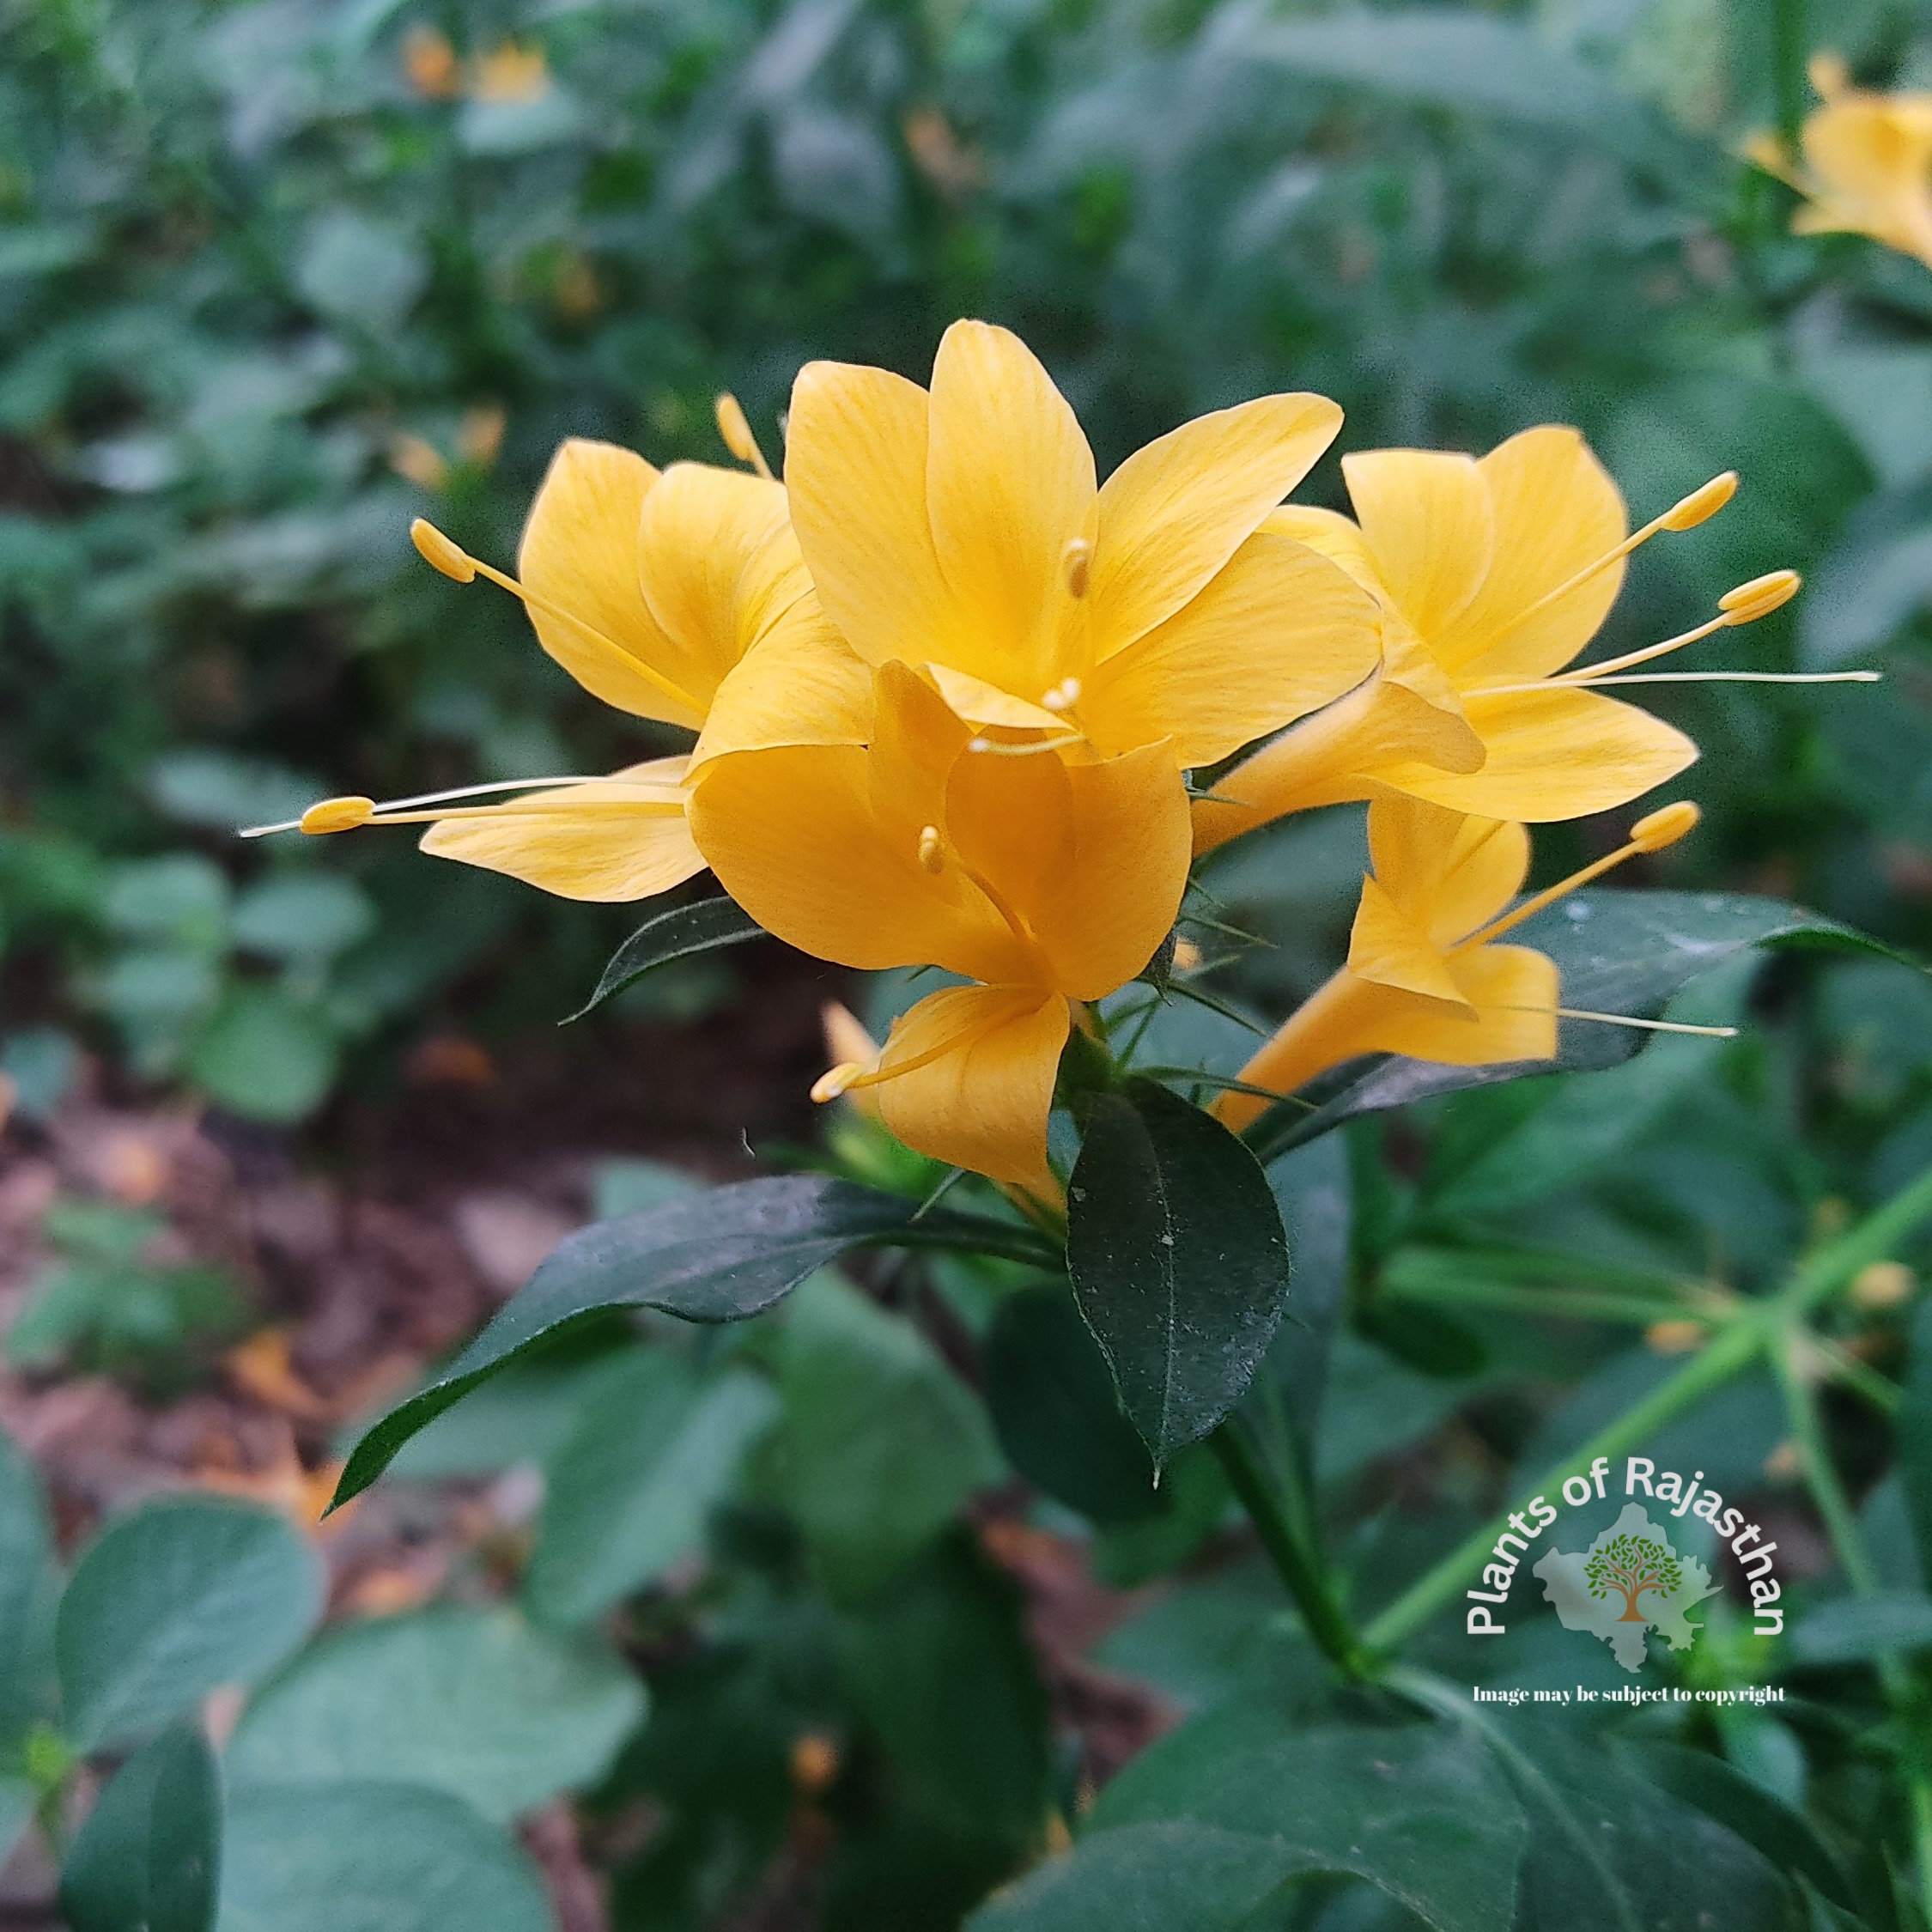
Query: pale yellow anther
(830, 1084)
(735, 428)
(931, 855)
(1701, 503)
(1760, 597)
(1186, 955)
(1063, 697)
(1665, 827)
(336, 815)
(1077, 560)
(440, 554)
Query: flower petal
(1451, 873)
(855, 470)
(612, 841)
(1009, 486)
(1278, 633)
(578, 555)
(1174, 511)
(719, 563)
(1557, 511)
(1427, 519)
(1387, 945)
(982, 1101)
(800, 684)
(1554, 754)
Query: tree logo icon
(1628, 1583)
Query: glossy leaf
(1617, 952)
(1177, 1255)
(684, 932)
(148, 1857)
(653, 1449)
(719, 1256)
(173, 1601)
(372, 1858)
(476, 1702)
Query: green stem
(1734, 1349)
(1787, 60)
(1294, 1558)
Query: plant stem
(1788, 62)
(1295, 1560)
(1756, 1327)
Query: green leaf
(718, 1256)
(1314, 1192)
(653, 1449)
(173, 1601)
(264, 1056)
(1176, 1251)
(1148, 1877)
(1915, 1436)
(476, 1702)
(372, 1858)
(705, 926)
(148, 1857)
(880, 1443)
(18, 1800)
(301, 916)
(1617, 952)
(1055, 1412)
(29, 1586)
(1859, 1629)
(181, 897)
(1417, 1812)
(939, 1663)
(1711, 1786)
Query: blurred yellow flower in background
(1864, 164)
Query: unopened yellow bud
(1077, 560)
(1674, 1337)
(1701, 503)
(931, 855)
(735, 428)
(1664, 827)
(440, 554)
(1882, 1285)
(337, 814)
(830, 1084)
(1828, 73)
(1760, 597)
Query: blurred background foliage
(276, 277)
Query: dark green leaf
(880, 1443)
(373, 1857)
(1312, 1189)
(167, 1604)
(653, 1449)
(1417, 1812)
(476, 1702)
(1055, 1412)
(718, 1256)
(705, 926)
(29, 1585)
(1149, 1878)
(1176, 1251)
(939, 1662)
(1711, 1786)
(1915, 1436)
(148, 1857)
(1617, 952)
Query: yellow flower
(961, 531)
(1866, 166)
(1049, 883)
(1425, 977)
(650, 590)
(1494, 574)
(510, 73)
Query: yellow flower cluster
(955, 703)
(1864, 165)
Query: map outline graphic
(1566, 1587)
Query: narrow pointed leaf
(1178, 1258)
(716, 1256)
(705, 926)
